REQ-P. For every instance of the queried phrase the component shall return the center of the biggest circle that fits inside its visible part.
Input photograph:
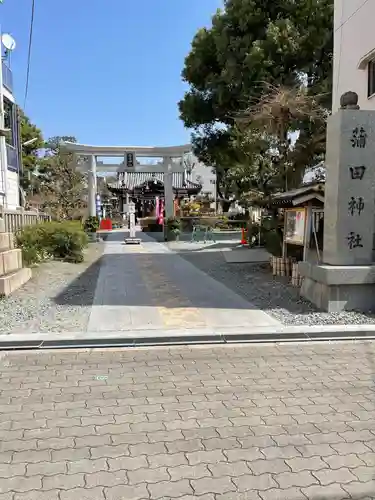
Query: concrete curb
(155, 337)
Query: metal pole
(215, 194)
(3, 151)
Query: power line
(351, 15)
(29, 52)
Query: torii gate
(87, 156)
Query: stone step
(6, 241)
(12, 281)
(10, 260)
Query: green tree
(270, 122)
(63, 185)
(31, 142)
(252, 45)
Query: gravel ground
(273, 295)
(57, 298)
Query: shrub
(222, 222)
(173, 224)
(57, 240)
(91, 224)
(256, 231)
(273, 242)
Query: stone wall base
(339, 288)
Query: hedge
(57, 240)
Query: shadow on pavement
(77, 292)
(170, 280)
(153, 280)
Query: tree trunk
(225, 205)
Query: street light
(30, 141)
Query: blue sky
(105, 71)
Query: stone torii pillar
(168, 187)
(91, 177)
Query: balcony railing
(12, 158)
(7, 77)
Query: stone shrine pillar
(91, 175)
(168, 188)
(345, 280)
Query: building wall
(354, 39)
(7, 94)
(204, 175)
(13, 194)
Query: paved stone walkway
(150, 287)
(213, 423)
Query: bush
(273, 242)
(57, 240)
(91, 224)
(256, 231)
(222, 222)
(173, 224)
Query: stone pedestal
(339, 288)
(346, 278)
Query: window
(10, 121)
(371, 78)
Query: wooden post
(284, 240)
(308, 221)
(23, 218)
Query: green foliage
(191, 208)
(52, 176)
(251, 46)
(91, 224)
(257, 234)
(273, 242)
(174, 225)
(57, 240)
(30, 158)
(173, 228)
(63, 184)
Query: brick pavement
(210, 423)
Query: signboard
(98, 204)
(130, 160)
(131, 208)
(295, 220)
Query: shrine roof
(134, 180)
(298, 196)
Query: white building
(354, 51)
(9, 178)
(206, 176)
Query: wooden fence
(16, 219)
